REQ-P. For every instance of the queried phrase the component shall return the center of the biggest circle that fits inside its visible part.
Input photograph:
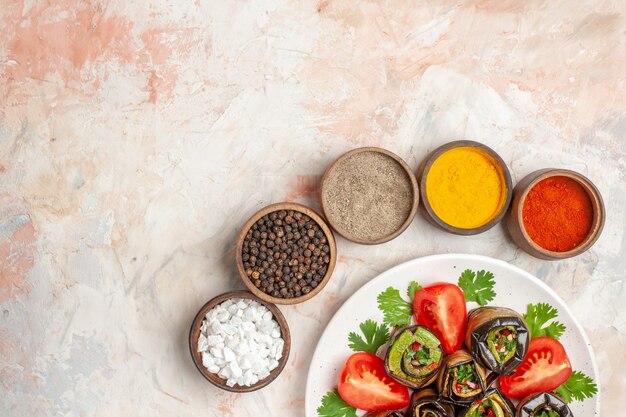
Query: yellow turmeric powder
(465, 187)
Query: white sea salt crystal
(273, 349)
(240, 341)
(247, 377)
(207, 360)
(235, 370)
(223, 316)
(229, 355)
(203, 343)
(216, 327)
(245, 364)
(228, 329)
(213, 340)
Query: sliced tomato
(545, 367)
(364, 384)
(441, 308)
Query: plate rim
(462, 256)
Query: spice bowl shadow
(515, 221)
(194, 334)
(378, 190)
(277, 207)
(426, 204)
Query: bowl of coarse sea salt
(239, 342)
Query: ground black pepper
(367, 196)
(285, 254)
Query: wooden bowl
(515, 222)
(347, 233)
(422, 175)
(194, 334)
(327, 232)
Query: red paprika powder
(557, 214)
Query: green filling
(548, 413)
(502, 343)
(465, 381)
(483, 409)
(413, 364)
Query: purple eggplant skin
(505, 403)
(444, 379)
(535, 403)
(480, 322)
(427, 399)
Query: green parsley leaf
(537, 315)
(375, 336)
(578, 387)
(334, 406)
(465, 372)
(396, 310)
(413, 288)
(477, 286)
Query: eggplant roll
(461, 379)
(498, 337)
(384, 414)
(424, 403)
(493, 404)
(414, 356)
(542, 404)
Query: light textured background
(137, 137)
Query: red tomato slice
(364, 384)
(441, 308)
(545, 367)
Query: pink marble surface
(137, 137)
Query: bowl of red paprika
(555, 214)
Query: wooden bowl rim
(304, 210)
(424, 169)
(597, 205)
(197, 356)
(414, 188)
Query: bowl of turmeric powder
(555, 214)
(465, 187)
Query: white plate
(514, 287)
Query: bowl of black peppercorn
(286, 253)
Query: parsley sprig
(578, 387)
(334, 406)
(413, 288)
(477, 286)
(548, 413)
(396, 310)
(537, 315)
(375, 334)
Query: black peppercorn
(285, 254)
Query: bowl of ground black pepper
(286, 253)
(555, 214)
(369, 195)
